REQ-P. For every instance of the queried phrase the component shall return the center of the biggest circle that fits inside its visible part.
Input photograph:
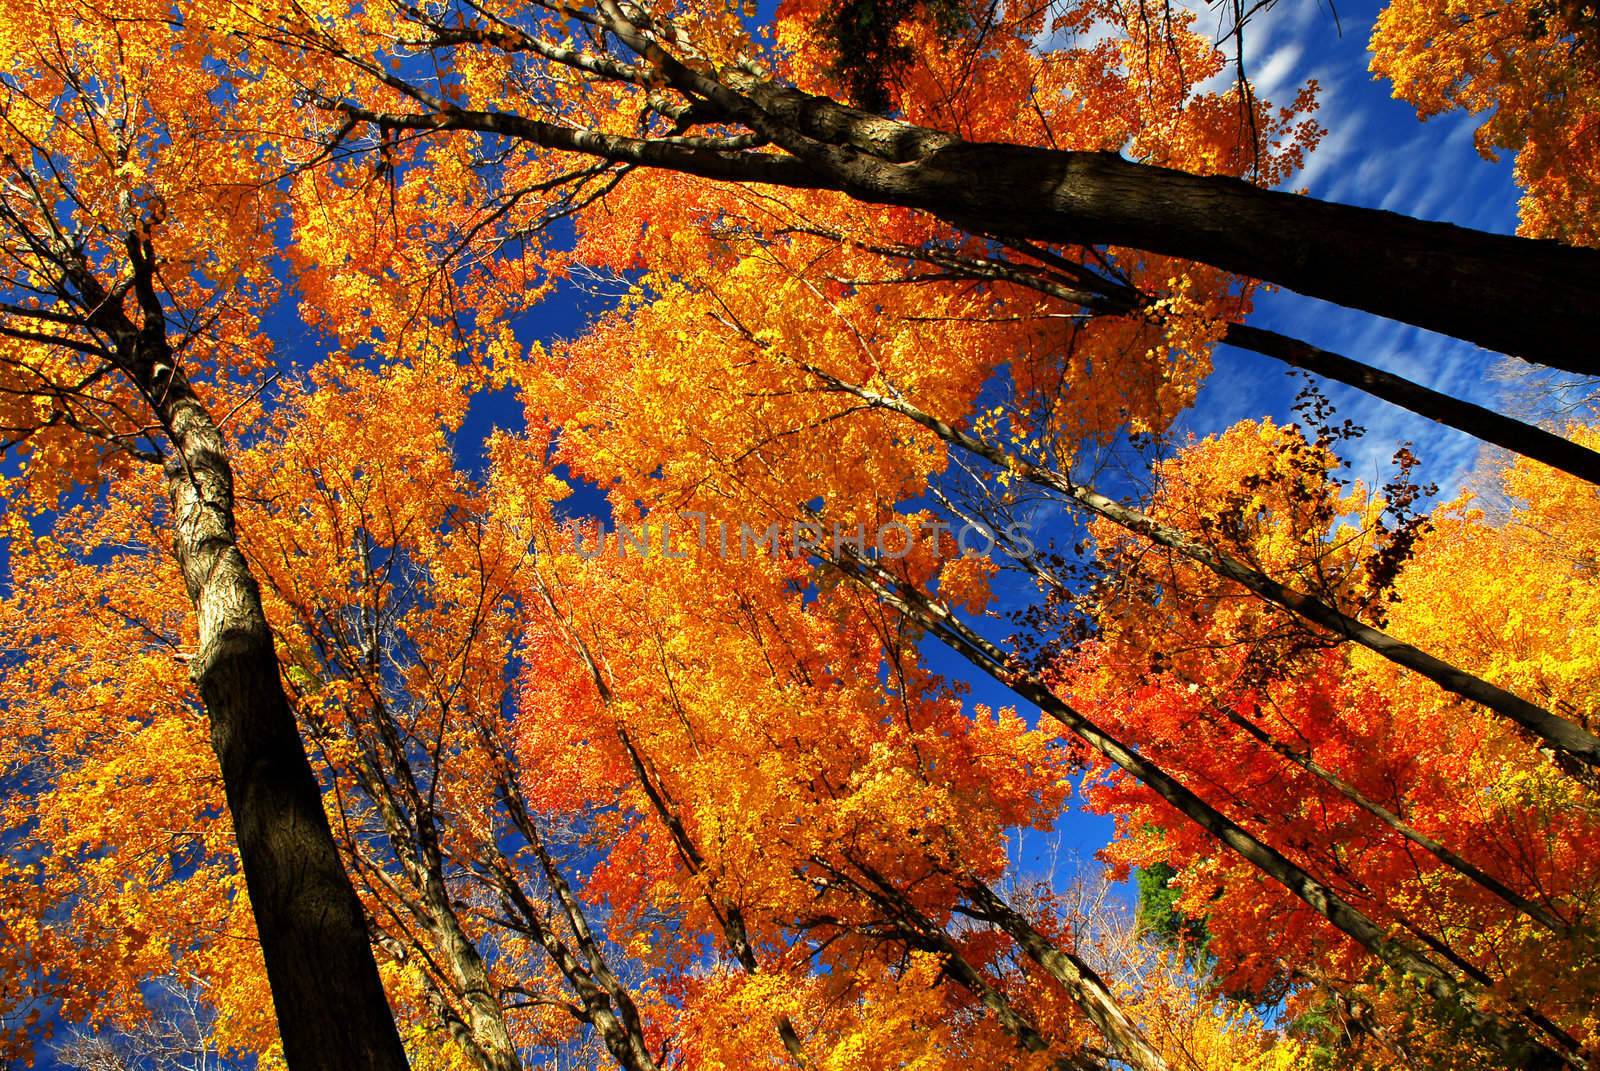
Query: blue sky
(1378, 155)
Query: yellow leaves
(964, 582)
(1531, 70)
(1513, 598)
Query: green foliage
(1158, 915)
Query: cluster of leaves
(701, 807)
(1530, 68)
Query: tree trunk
(1532, 298)
(1495, 428)
(332, 1012)
(1083, 985)
(331, 1008)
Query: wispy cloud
(1376, 154)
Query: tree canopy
(654, 727)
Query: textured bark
(485, 1016)
(332, 1012)
(410, 820)
(331, 1007)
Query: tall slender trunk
(1440, 851)
(332, 1012)
(331, 1008)
(1083, 985)
(921, 932)
(1104, 297)
(607, 1002)
(1497, 429)
(485, 1015)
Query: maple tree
(139, 264)
(490, 785)
(396, 613)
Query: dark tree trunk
(332, 1012)
(330, 1002)
(1535, 299)
(331, 1008)
(1481, 423)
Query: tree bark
(1517, 436)
(332, 1012)
(1536, 299)
(331, 1008)
(1494, 428)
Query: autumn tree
(691, 91)
(662, 804)
(138, 264)
(398, 590)
(1529, 69)
(1420, 808)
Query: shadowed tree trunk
(331, 1008)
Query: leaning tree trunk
(1461, 282)
(1083, 985)
(1534, 299)
(331, 1008)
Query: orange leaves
(1530, 68)
(764, 744)
(1302, 739)
(108, 138)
